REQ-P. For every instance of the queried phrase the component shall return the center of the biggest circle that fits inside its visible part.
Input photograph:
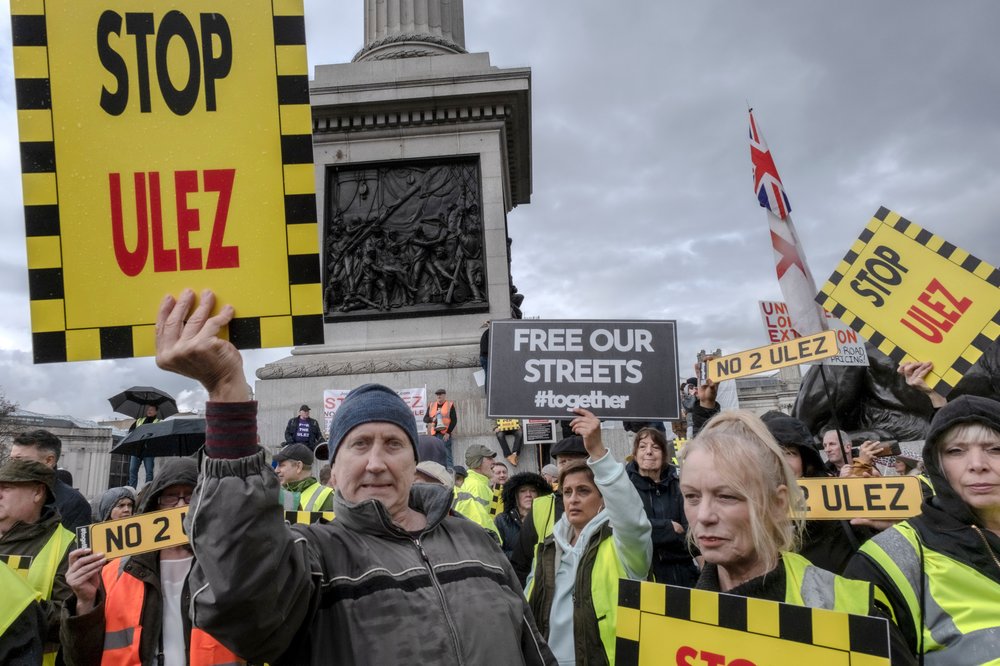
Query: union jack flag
(766, 182)
(794, 277)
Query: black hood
(536, 481)
(966, 409)
(169, 471)
(791, 432)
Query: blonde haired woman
(738, 493)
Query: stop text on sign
(691, 656)
(936, 310)
(917, 297)
(141, 28)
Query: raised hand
(194, 349)
(915, 375)
(588, 426)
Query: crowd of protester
(426, 563)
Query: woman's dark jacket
(664, 505)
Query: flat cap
(298, 452)
(572, 445)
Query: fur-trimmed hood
(516, 482)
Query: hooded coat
(82, 636)
(509, 522)
(557, 588)
(109, 499)
(947, 524)
(829, 544)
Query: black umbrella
(173, 437)
(131, 402)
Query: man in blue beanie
(373, 452)
(395, 578)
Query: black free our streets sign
(617, 369)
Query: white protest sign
(415, 398)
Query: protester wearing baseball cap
(332, 589)
(300, 490)
(30, 528)
(473, 499)
(302, 429)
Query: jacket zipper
(444, 604)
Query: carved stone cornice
(409, 45)
(316, 367)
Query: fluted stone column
(412, 28)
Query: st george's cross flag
(797, 286)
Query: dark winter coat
(509, 522)
(829, 544)
(74, 509)
(527, 540)
(664, 505)
(701, 415)
(357, 590)
(315, 434)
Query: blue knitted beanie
(367, 404)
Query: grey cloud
(643, 202)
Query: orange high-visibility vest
(445, 410)
(124, 597)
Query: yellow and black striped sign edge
(497, 502)
(308, 517)
(52, 342)
(19, 563)
(947, 379)
(864, 638)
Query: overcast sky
(643, 204)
